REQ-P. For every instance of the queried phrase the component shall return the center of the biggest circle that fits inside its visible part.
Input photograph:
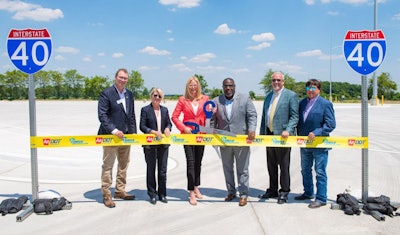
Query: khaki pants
(110, 153)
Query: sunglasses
(157, 96)
(276, 80)
(313, 88)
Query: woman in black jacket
(154, 119)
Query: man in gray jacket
(279, 117)
(236, 113)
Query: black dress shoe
(316, 204)
(230, 197)
(163, 199)
(282, 200)
(153, 200)
(302, 197)
(283, 196)
(268, 194)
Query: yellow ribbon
(199, 139)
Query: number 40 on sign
(364, 50)
(29, 49)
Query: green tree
(135, 84)
(15, 84)
(214, 92)
(43, 84)
(145, 93)
(203, 84)
(252, 95)
(94, 86)
(73, 83)
(57, 83)
(386, 86)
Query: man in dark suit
(317, 118)
(116, 113)
(235, 112)
(279, 117)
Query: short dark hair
(314, 82)
(228, 79)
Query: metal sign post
(364, 133)
(364, 52)
(30, 50)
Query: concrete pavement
(75, 173)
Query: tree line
(14, 85)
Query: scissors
(207, 129)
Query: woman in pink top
(191, 106)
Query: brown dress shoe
(243, 201)
(108, 202)
(230, 197)
(124, 196)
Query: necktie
(272, 112)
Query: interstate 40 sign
(29, 49)
(364, 50)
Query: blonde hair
(187, 91)
(158, 90)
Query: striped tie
(272, 112)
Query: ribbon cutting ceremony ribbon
(199, 139)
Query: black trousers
(194, 156)
(156, 157)
(278, 157)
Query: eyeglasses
(313, 88)
(276, 80)
(157, 96)
(229, 86)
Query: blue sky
(168, 41)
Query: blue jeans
(320, 157)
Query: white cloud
(67, 50)
(180, 67)
(87, 59)
(333, 13)
(259, 46)
(117, 55)
(263, 37)
(98, 24)
(283, 66)
(224, 30)
(210, 68)
(329, 57)
(202, 58)
(309, 2)
(241, 70)
(181, 3)
(154, 51)
(101, 54)
(312, 2)
(310, 53)
(396, 17)
(353, 1)
(147, 68)
(59, 57)
(28, 11)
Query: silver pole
(374, 98)
(32, 123)
(364, 123)
(330, 72)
